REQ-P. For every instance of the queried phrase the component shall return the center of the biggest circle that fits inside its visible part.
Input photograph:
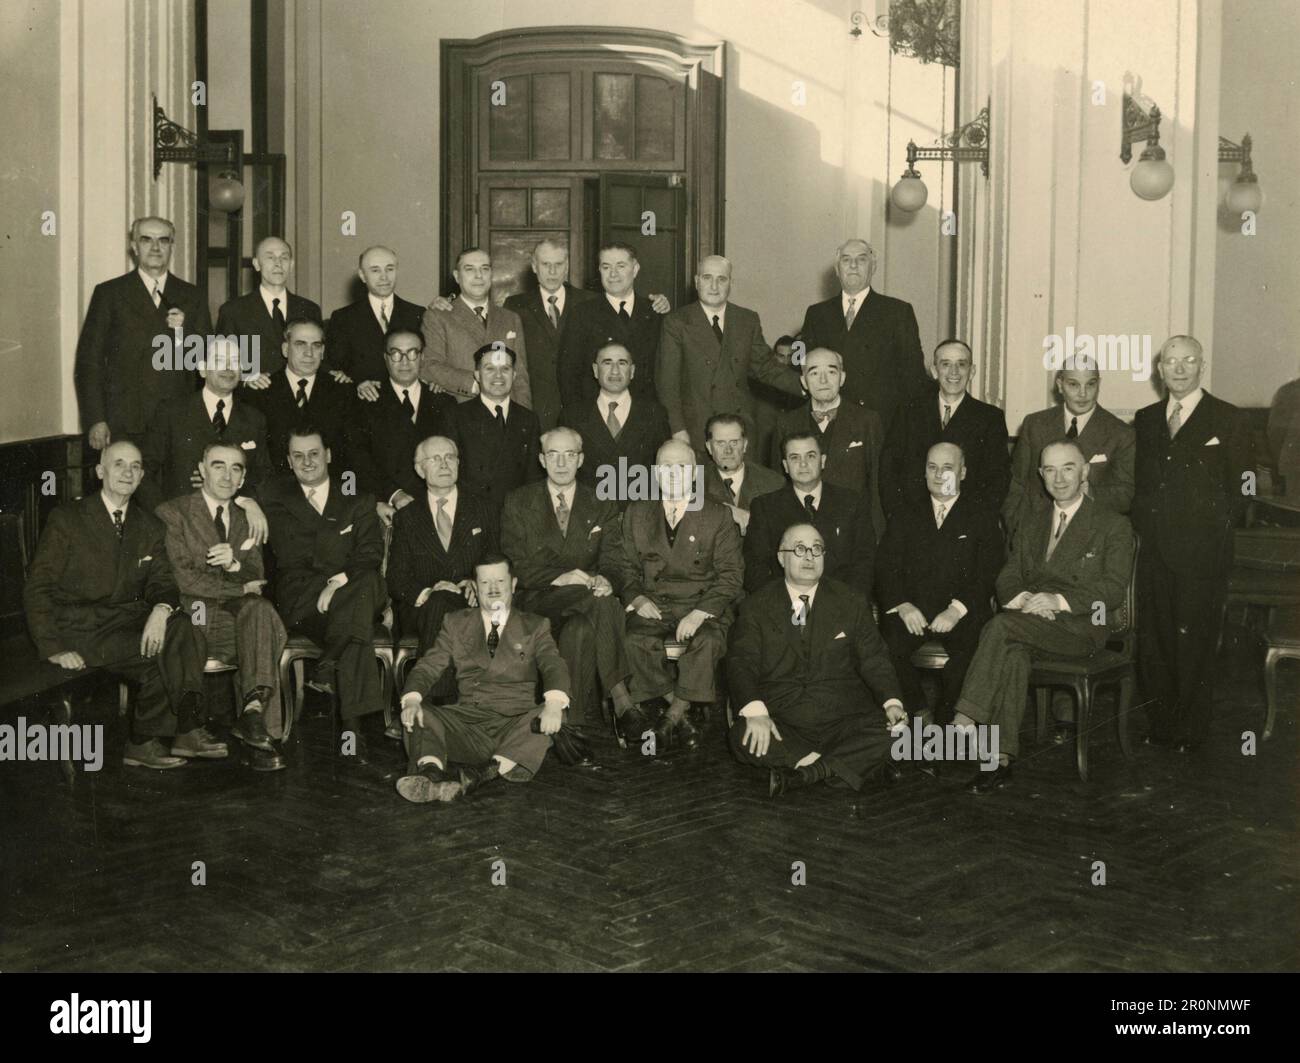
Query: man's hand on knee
(759, 732)
(412, 713)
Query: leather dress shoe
(570, 746)
(634, 723)
(428, 783)
(990, 782)
(890, 772)
(1063, 734)
(783, 780)
(394, 729)
(199, 743)
(150, 754)
(250, 729)
(265, 759)
(471, 778)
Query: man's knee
(708, 641)
(577, 635)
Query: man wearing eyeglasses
(729, 478)
(564, 544)
(812, 676)
(1192, 457)
(386, 432)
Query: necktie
(221, 525)
(1073, 431)
(947, 414)
(482, 314)
(562, 513)
(1175, 420)
(801, 616)
(383, 317)
(157, 294)
(553, 313)
(442, 524)
(938, 517)
(824, 417)
(494, 639)
(717, 328)
(622, 312)
(302, 393)
(1056, 538)
(850, 314)
(808, 505)
(311, 497)
(731, 491)
(219, 418)
(611, 421)
(118, 526)
(278, 315)
(674, 515)
(408, 407)
(501, 418)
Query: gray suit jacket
(758, 481)
(452, 336)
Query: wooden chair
(1283, 640)
(300, 649)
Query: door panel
(624, 199)
(514, 213)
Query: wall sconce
(175, 143)
(970, 143)
(1244, 194)
(1152, 177)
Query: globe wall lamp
(1244, 194)
(970, 143)
(175, 143)
(1152, 177)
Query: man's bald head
(713, 281)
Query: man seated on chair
(565, 543)
(219, 571)
(935, 571)
(499, 654)
(730, 478)
(683, 573)
(1068, 572)
(101, 594)
(811, 675)
(328, 549)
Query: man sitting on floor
(499, 654)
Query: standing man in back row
(355, 336)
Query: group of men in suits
(498, 444)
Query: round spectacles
(801, 551)
(408, 355)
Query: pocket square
(248, 444)
(1212, 442)
(147, 557)
(1090, 553)
(346, 530)
(841, 635)
(247, 544)
(960, 538)
(1096, 459)
(510, 335)
(855, 443)
(594, 530)
(475, 531)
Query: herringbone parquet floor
(679, 863)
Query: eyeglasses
(441, 459)
(801, 551)
(567, 455)
(411, 354)
(1187, 362)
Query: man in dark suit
(1284, 439)
(770, 403)
(264, 312)
(101, 594)
(935, 572)
(619, 316)
(301, 394)
(455, 329)
(729, 478)
(565, 545)
(220, 574)
(436, 543)
(328, 550)
(708, 352)
(181, 431)
(877, 335)
(850, 434)
(354, 340)
(811, 675)
(498, 438)
(620, 431)
(386, 430)
(500, 655)
(947, 414)
(840, 515)
(1070, 560)
(682, 574)
(1107, 442)
(1192, 454)
(122, 374)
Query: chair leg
(1270, 689)
(1083, 714)
(1122, 713)
(386, 687)
(286, 695)
(1043, 700)
(61, 711)
(123, 697)
(299, 686)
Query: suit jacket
(844, 519)
(83, 579)
(703, 568)
(416, 559)
(840, 668)
(191, 533)
(115, 375)
(506, 682)
(311, 547)
(1108, 444)
(882, 355)
(173, 446)
(382, 439)
(247, 315)
(1284, 438)
(980, 430)
(543, 342)
(492, 465)
(929, 566)
(644, 431)
(852, 442)
(758, 481)
(354, 342)
(697, 376)
(1187, 496)
(530, 537)
(1092, 563)
(452, 336)
(331, 408)
(596, 323)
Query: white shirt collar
(487, 309)
(737, 478)
(1189, 404)
(492, 404)
(293, 382)
(559, 299)
(1084, 418)
(858, 300)
(110, 507)
(629, 299)
(381, 306)
(153, 282)
(269, 297)
(226, 508)
(953, 403)
(816, 492)
(450, 507)
(947, 504)
(622, 402)
(720, 312)
(322, 490)
(794, 593)
(835, 404)
(501, 618)
(411, 389)
(682, 503)
(210, 401)
(567, 492)
(1069, 512)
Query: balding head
(855, 262)
(713, 282)
(377, 268)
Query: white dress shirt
(154, 282)
(629, 300)
(816, 492)
(857, 300)
(1188, 403)
(382, 308)
(210, 400)
(1083, 419)
(622, 407)
(492, 405)
(1069, 510)
(293, 383)
(112, 508)
(952, 405)
(449, 508)
(559, 300)
(269, 297)
(566, 493)
(475, 306)
(737, 479)
(413, 390)
(719, 312)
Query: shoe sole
(132, 762)
(280, 766)
(421, 790)
(254, 743)
(209, 754)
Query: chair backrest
(1123, 623)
